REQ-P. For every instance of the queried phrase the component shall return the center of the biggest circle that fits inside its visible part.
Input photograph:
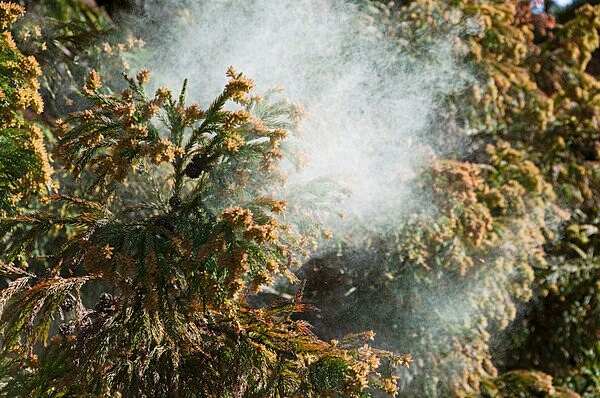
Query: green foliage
(524, 384)
(515, 219)
(24, 165)
(69, 37)
(450, 279)
(585, 379)
(178, 229)
(136, 283)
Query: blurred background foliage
(515, 236)
(515, 233)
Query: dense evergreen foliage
(138, 267)
(516, 218)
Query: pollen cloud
(370, 106)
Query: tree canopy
(147, 249)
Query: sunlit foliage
(174, 261)
(515, 217)
(24, 164)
